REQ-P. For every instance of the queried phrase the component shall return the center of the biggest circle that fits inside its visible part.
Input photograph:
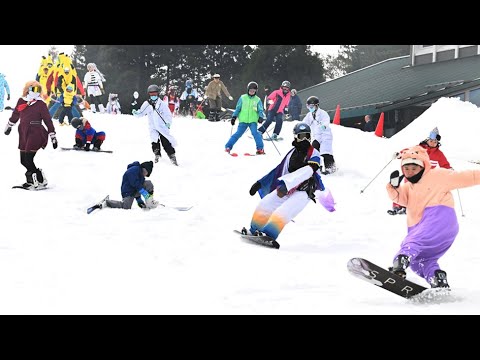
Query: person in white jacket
(159, 122)
(319, 122)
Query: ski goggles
(302, 136)
(35, 89)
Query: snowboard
(260, 240)
(31, 188)
(376, 275)
(97, 205)
(91, 150)
(179, 208)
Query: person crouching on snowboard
(31, 110)
(85, 135)
(287, 189)
(134, 187)
(431, 217)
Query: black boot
(212, 115)
(78, 144)
(42, 180)
(439, 280)
(173, 159)
(400, 264)
(97, 144)
(28, 176)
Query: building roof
(365, 90)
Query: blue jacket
(133, 179)
(295, 107)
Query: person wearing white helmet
(213, 93)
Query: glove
(255, 188)
(134, 112)
(285, 111)
(395, 179)
(146, 195)
(140, 203)
(396, 155)
(8, 128)
(151, 203)
(260, 120)
(168, 125)
(230, 98)
(270, 102)
(282, 190)
(8, 97)
(233, 120)
(54, 140)
(87, 146)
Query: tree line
(130, 68)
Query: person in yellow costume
(44, 72)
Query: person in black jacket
(370, 124)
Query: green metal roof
(361, 92)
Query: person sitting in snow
(431, 218)
(134, 187)
(287, 189)
(437, 158)
(85, 135)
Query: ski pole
(272, 142)
(361, 191)
(460, 202)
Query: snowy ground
(56, 259)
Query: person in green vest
(249, 111)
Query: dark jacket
(370, 126)
(32, 133)
(133, 179)
(295, 107)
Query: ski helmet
(77, 123)
(301, 128)
(286, 84)
(313, 100)
(153, 88)
(252, 85)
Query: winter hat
(148, 165)
(216, 76)
(434, 135)
(293, 92)
(412, 161)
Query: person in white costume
(159, 121)
(319, 122)
(93, 84)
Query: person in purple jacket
(32, 112)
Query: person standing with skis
(159, 122)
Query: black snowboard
(91, 150)
(30, 188)
(260, 240)
(376, 275)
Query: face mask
(153, 97)
(311, 109)
(32, 95)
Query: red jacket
(437, 158)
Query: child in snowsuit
(68, 100)
(85, 135)
(431, 217)
(287, 189)
(135, 186)
(3, 86)
(249, 110)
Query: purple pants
(430, 239)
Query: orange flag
(379, 129)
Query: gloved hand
(230, 98)
(134, 112)
(270, 102)
(282, 190)
(168, 125)
(260, 120)
(285, 111)
(396, 155)
(395, 178)
(140, 203)
(233, 120)
(146, 195)
(87, 146)
(151, 203)
(8, 97)
(8, 128)
(255, 187)
(54, 140)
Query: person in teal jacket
(3, 87)
(249, 111)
